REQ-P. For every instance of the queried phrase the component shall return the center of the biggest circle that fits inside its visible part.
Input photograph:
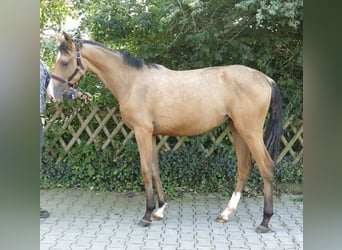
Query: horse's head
(68, 69)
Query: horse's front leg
(144, 140)
(159, 213)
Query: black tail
(274, 129)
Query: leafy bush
(92, 168)
(183, 170)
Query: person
(45, 77)
(72, 93)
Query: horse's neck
(108, 66)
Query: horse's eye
(64, 63)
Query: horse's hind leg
(244, 170)
(266, 167)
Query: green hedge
(183, 170)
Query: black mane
(127, 58)
(135, 62)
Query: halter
(77, 70)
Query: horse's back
(196, 101)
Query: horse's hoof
(262, 229)
(144, 223)
(220, 219)
(156, 218)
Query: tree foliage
(53, 14)
(188, 34)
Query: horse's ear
(68, 40)
(59, 37)
(66, 36)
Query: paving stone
(51, 239)
(79, 246)
(98, 246)
(82, 219)
(45, 246)
(238, 243)
(187, 244)
(64, 244)
(169, 247)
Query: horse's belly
(188, 125)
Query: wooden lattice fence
(94, 125)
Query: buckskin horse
(155, 100)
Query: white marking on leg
(160, 211)
(232, 205)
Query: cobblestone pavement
(83, 219)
